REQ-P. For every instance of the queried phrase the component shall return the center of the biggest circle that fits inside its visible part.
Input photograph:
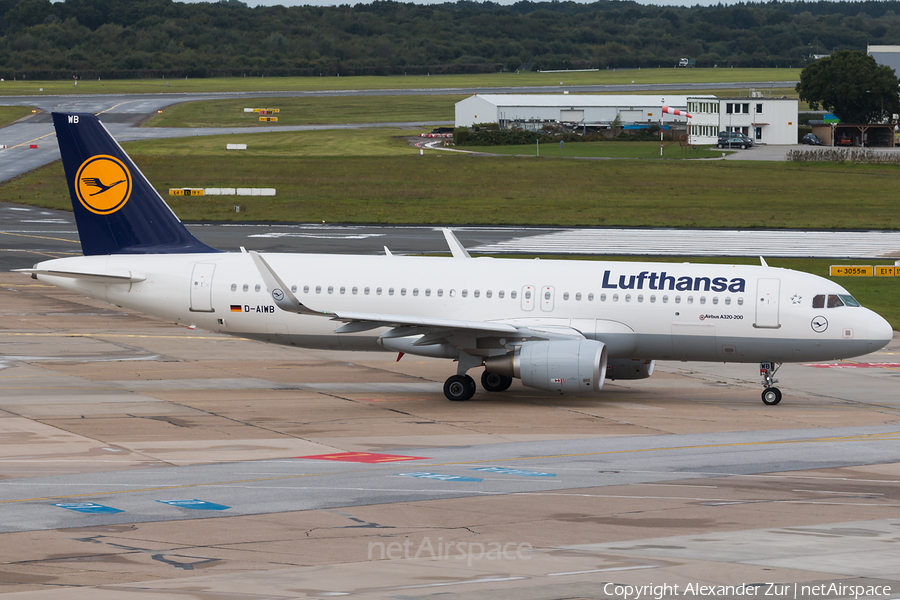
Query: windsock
(675, 111)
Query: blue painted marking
(504, 471)
(439, 476)
(195, 504)
(88, 507)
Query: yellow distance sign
(264, 119)
(186, 191)
(851, 271)
(886, 271)
(103, 184)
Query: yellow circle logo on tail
(103, 184)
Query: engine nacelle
(567, 366)
(629, 368)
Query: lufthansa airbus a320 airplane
(559, 326)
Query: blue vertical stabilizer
(116, 208)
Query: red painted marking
(363, 457)
(844, 365)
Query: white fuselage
(670, 311)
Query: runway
(139, 459)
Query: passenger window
(500, 294)
(715, 300)
(513, 294)
(377, 291)
(677, 299)
(390, 291)
(293, 289)
(565, 296)
(233, 287)
(528, 295)
(366, 291)
(305, 289)
(740, 301)
(318, 289)
(476, 293)
(834, 301)
(355, 290)
(402, 291)
(602, 297)
(343, 290)
(427, 291)
(627, 297)
(465, 293)
(819, 301)
(590, 297)
(452, 293)
(415, 291)
(728, 300)
(652, 298)
(640, 297)
(440, 293)
(488, 294)
(615, 297)
(256, 288)
(330, 289)
(690, 299)
(702, 299)
(665, 299)
(578, 297)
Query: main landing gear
(462, 387)
(771, 395)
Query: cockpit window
(849, 300)
(834, 301)
(819, 301)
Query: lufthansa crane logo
(103, 184)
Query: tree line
(40, 39)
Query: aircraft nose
(880, 332)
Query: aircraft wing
(404, 325)
(98, 277)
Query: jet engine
(567, 366)
(629, 368)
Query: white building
(531, 111)
(886, 55)
(765, 119)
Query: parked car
(733, 139)
(811, 139)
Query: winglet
(387, 251)
(456, 248)
(281, 293)
(763, 262)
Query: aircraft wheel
(493, 382)
(459, 387)
(771, 396)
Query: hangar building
(886, 55)
(532, 111)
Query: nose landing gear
(771, 395)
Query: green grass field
(269, 84)
(9, 114)
(332, 109)
(374, 177)
(308, 111)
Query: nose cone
(880, 332)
